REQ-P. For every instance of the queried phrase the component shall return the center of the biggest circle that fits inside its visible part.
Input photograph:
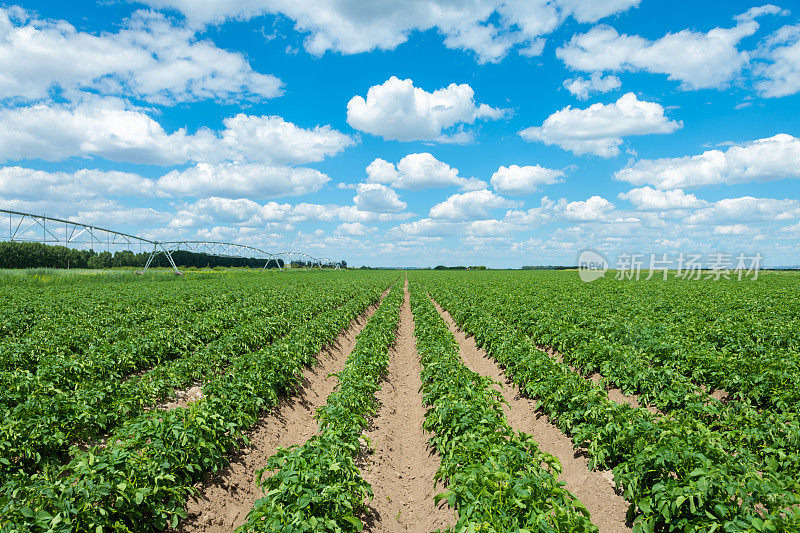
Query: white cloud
(599, 129)
(419, 171)
(592, 10)
(698, 60)
(745, 209)
(112, 129)
(396, 110)
(271, 138)
(732, 229)
(229, 180)
(582, 88)
(65, 187)
(779, 72)
(354, 228)
(149, 58)
(377, 198)
(795, 228)
(233, 180)
(515, 179)
(593, 209)
(489, 28)
(428, 227)
(106, 128)
(773, 158)
(650, 199)
(490, 228)
(471, 205)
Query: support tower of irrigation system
(27, 227)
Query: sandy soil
(182, 398)
(402, 466)
(593, 488)
(224, 501)
(614, 394)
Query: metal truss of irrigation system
(27, 227)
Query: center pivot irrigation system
(27, 227)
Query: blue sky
(414, 133)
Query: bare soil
(225, 499)
(182, 398)
(614, 394)
(402, 466)
(593, 488)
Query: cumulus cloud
(489, 28)
(746, 208)
(355, 228)
(582, 88)
(269, 137)
(732, 229)
(427, 228)
(599, 129)
(490, 228)
(471, 205)
(377, 198)
(396, 110)
(149, 58)
(27, 184)
(650, 199)
(234, 180)
(419, 171)
(243, 212)
(228, 180)
(778, 71)
(593, 209)
(773, 158)
(515, 179)
(107, 128)
(112, 129)
(684, 56)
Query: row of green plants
(740, 337)
(676, 472)
(72, 314)
(772, 436)
(317, 486)
(140, 479)
(38, 433)
(498, 479)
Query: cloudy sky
(503, 133)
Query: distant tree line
(442, 267)
(39, 255)
(549, 267)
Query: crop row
(38, 433)
(741, 338)
(773, 437)
(498, 479)
(317, 486)
(141, 478)
(62, 321)
(676, 472)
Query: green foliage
(317, 486)
(729, 465)
(140, 479)
(498, 480)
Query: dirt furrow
(614, 394)
(182, 398)
(593, 488)
(224, 500)
(402, 466)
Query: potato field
(399, 401)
